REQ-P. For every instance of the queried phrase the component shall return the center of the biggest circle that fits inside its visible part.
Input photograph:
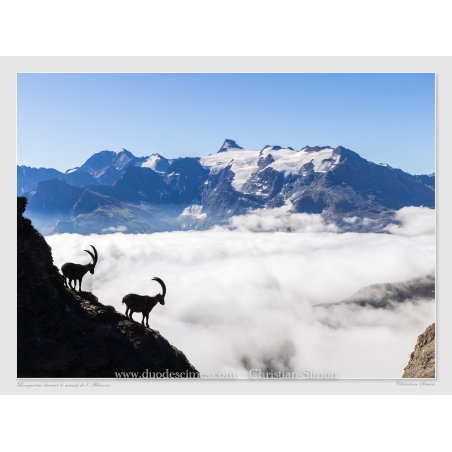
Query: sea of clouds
(244, 296)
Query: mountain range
(117, 191)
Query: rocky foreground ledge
(422, 360)
(67, 334)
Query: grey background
(442, 66)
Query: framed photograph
(226, 225)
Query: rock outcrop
(67, 334)
(389, 295)
(422, 360)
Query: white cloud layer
(279, 220)
(238, 299)
(415, 221)
(112, 229)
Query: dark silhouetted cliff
(67, 334)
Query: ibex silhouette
(76, 272)
(143, 303)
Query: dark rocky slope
(107, 175)
(358, 187)
(185, 178)
(427, 179)
(64, 334)
(220, 200)
(422, 360)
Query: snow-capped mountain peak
(229, 145)
(157, 163)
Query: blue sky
(62, 119)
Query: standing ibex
(76, 272)
(143, 303)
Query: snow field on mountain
(151, 162)
(244, 162)
(290, 162)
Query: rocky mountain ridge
(337, 183)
